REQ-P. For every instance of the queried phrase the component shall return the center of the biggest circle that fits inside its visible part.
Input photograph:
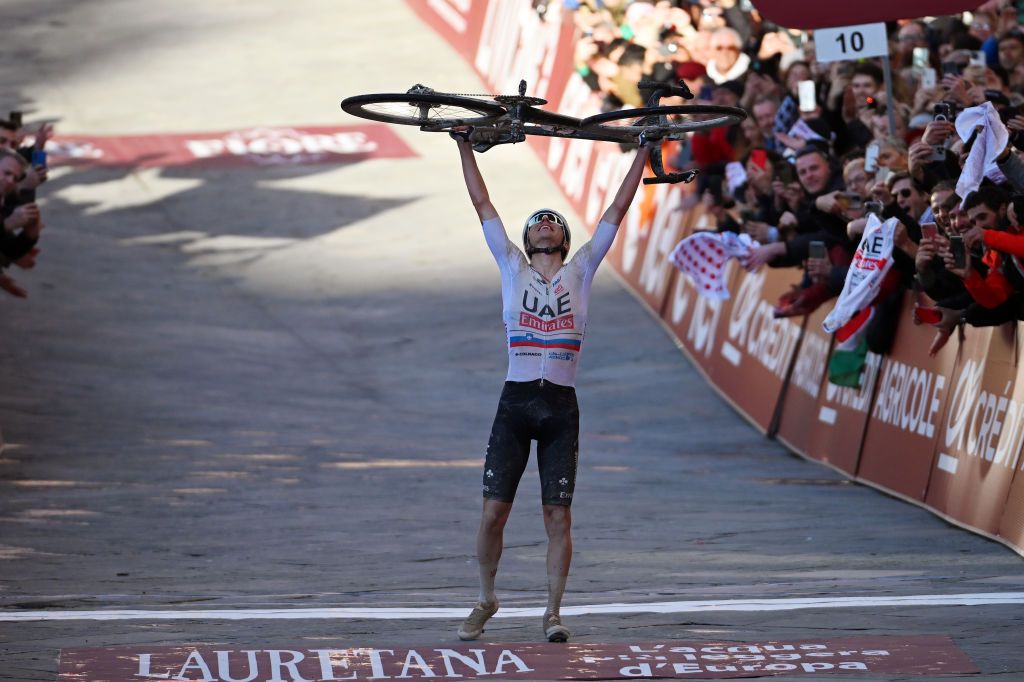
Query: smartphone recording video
(956, 247)
(807, 97)
(817, 250)
(871, 158)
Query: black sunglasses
(537, 217)
(904, 193)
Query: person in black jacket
(21, 221)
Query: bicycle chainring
(511, 100)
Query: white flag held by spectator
(703, 256)
(864, 278)
(991, 141)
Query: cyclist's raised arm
(604, 235)
(475, 182)
(494, 231)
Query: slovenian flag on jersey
(541, 342)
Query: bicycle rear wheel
(427, 109)
(678, 120)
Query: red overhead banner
(810, 14)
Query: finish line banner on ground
(264, 146)
(920, 655)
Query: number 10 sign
(850, 42)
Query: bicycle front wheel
(433, 110)
(674, 121)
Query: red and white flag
(703, 256)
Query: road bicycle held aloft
(505, 119)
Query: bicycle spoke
(430, 111)
(425, 113)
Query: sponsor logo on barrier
(517, 43)
(700, 334)
(452, 12)
(753, 329)
(984, 424)
(577, 100)
(656, 268)
(856, 399)
(909, 398)
(811, 363)
(609, 171)
(922, 654)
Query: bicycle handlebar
(665, 90)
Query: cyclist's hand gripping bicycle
(504, 119)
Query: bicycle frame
(521, 112)
(508, 119)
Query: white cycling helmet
(555, 217)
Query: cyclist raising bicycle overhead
(544, 306)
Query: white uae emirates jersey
(545, 321)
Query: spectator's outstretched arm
(475, 182)
(1012, 167)
(627, 190)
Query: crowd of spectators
(22, 169)
(823, 146)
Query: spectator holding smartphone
(998, 285)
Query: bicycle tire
(435, 110)
(708, 116)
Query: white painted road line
(371, 613)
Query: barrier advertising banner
(1011, 525)
(980, 438)
(694, 321)
(753, 357)
(906, 417)
(457, 21)
(841, 417)
(799, 418)
(646, 238)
